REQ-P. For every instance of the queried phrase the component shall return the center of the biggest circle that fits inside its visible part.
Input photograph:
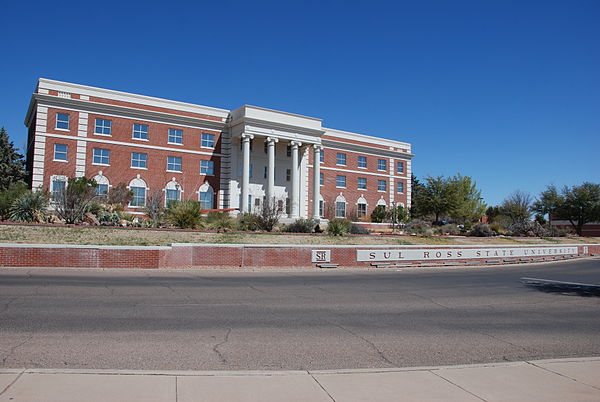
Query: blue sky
(507, 92)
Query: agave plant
(30, 207)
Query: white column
(245, 171)
(295, 196)
(316, 181)
(271, 169)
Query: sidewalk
(541, 380)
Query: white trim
(399, 156)
(360, 172)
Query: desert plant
(119, 197)
(528, 229)
(184, 214)
(449, 229)
(248, 222)
(72, 201)
(301, 225)
(30, 207)
(359, 230)
(418, 227)
(498, 228)
(108, 218)
(219, 221)
(379, 214)
(8, 197)
(154, 207)
(482, 230)
(339, 226)
(269, 215)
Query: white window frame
(210, 164)
(177, 135)
(66, 153)
(68, 122)
(180, 164)
(145, 160)
(379, 185)
(379, 162)
(102, 127)
(358, 181)
(338, 159)
(101, 156)
(202, 141)
(140, 131)
(337, 183)
(400, 164)
(400, 186)
(362, 158)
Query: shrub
(269, 215)
(418, 227)
(482, 230)
(379, 214)
(301, 225)
(339, 226)
(185, 214)
(359, 230)
(9, 196)
(219, 221)
(30, 207)
(154, 208)
(498, 228)
(528, 229)
(449, 229)
(73, 200)
(119, 196)
(108, 218)
(248, 222)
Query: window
(381, 164)
(139, 160)
(103, 127)
(266, 147)
(265, 172)
(172, 195)
(399, 167)
(321, 178)
(208, 140)
(340, 181)
(400, 187)
(362, 162)
(340, 159)
(175, 136)
(58, 188)
(362, 183)
(174, 163)
(207, 167)
(322, 156)
(321, 207)
(60, 152)
(381, 185)
(140, 131)
(288, 174)
(361, 210)
(288, 150)
(62, 121)
(139, 196)
(340, 209)
(101, 156)
(102, 189)
(206, 198)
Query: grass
(87, 235)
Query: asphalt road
(225, 320)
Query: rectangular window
(381, 185)
(171, 195)
(362, 162)
(340, 209)
(62, 121)
(340, 159)
(140, 131)
(265, 172)
(60, 152)
(381, 164)
(139, 196)
(139, 160)
(175, 136)
(288, 150)
(206, 199)
(361, 210)
(102, 189)
(208, 140)
(321, 207)
(288, 174)
(399, 167)
(103, 127)
(340, 181)
(321, 178)
(101, 156)
(207, 167)
(400, 187)
(362, 183)
(322, 156)
(58, 188)
(174, 163)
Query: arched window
(361, 207)
(206, 196)
(172, 191)
(381, 201)
(103, 184)
(340, 206)
(58, 184)
(138, 187)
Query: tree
(398, 214)
(578, 204)
(436, 198)
(11, 162)
(517, 207)
(72, 201)
(379, 214)
(469, 206)
(119, 196)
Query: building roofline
(282, 112)
(365, 137)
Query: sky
(506, 92)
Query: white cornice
(282, 112)
(129, 97)
(366, 138)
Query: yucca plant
(185, 214)
(30, 207)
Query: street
(328, 319)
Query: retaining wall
(183, 255)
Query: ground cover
(88, 235)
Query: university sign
(460, 253)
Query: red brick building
(178, 150)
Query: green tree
(379, 214)
(517, 207)
(11, 162)
(578, 204)
(468, 205)
(73, 200)
(436, 198)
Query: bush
(301, 225)
(185, 214)
(9, 196)
(219, 221)
(248, 222)
(30, 207)
(359, 230)
(339, 226)
(528, 229)
(449, 229)
(418, 227)
(482, 230)
(108, 218)
(379, 214)
(269, 215)
(73, 200)
(498, 228)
